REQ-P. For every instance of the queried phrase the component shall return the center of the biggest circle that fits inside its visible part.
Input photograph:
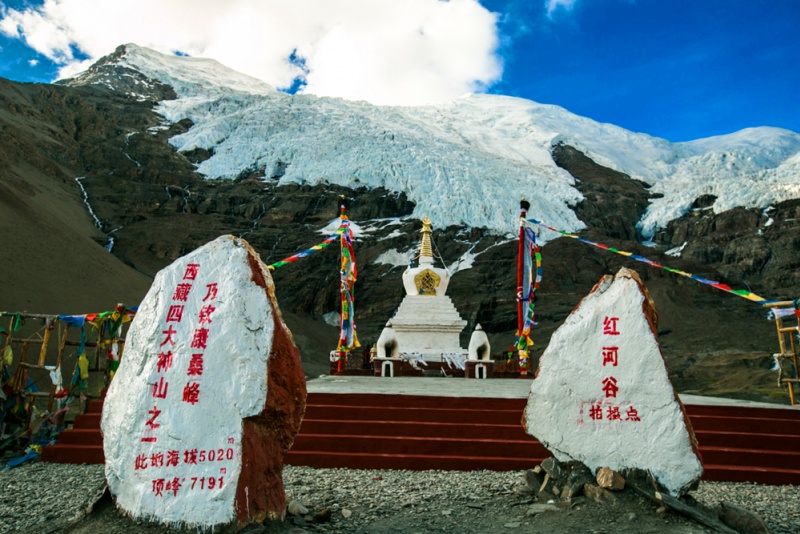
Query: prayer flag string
(303, 254)
(723, 287)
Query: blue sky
(675, 69)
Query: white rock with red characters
(208, 397)
(602, 395)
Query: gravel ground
(43, 498)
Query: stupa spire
(425, 250)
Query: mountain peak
(466, 161)
(112, 73)
(131, 64)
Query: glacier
(464, 162)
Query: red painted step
(746, 440)
(413, 428)
(741, 457)
(432, 414)
(375, 431)
(95, 406)
(83, 443)
(73, 454)
(527, 448)
(788, 427)
(380, 400)
(749, 473)
(743, 411)
(411, 462)
(81, 436)
(87, 420)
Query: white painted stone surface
(388, 339)
(568, 394)
(149, 441)
(429, 325)
(479, 342)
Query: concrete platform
(511, 388)
(365, 422)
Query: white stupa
(427, 322)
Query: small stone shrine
(602, 395)
(209, 396)
(426, 328)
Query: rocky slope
(150, 199)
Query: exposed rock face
(756, 247)
(602, 395)
(613, 202)
(209, 395)
(159, 209)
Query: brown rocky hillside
(148, 198)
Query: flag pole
(348, 340)
(343, 312)
(522, 346)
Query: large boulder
(208, 397)
(602, 395)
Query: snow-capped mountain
(466, 162)
(164, 154)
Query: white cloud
(552, 5)
(33, 62)
(74, 68)
(383, 51)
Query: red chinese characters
(181, 347)
(194, 456)
(160, 389)
(141, 462)
(175, 314)
(151, 425)
(610, 387)
(211, 292)
(199, 338)
(168, 336)
(195, 365)
(191, 393)
(631, 414)
(610, 356)
(161, 486)
(164, 361)
(610, 409)
(181, 293)
(191, 271)
(610, 326)
(205, 313)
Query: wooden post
(45, 340)
(60, 358)
(788, 351)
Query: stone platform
(363, 422)
(512, 388)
